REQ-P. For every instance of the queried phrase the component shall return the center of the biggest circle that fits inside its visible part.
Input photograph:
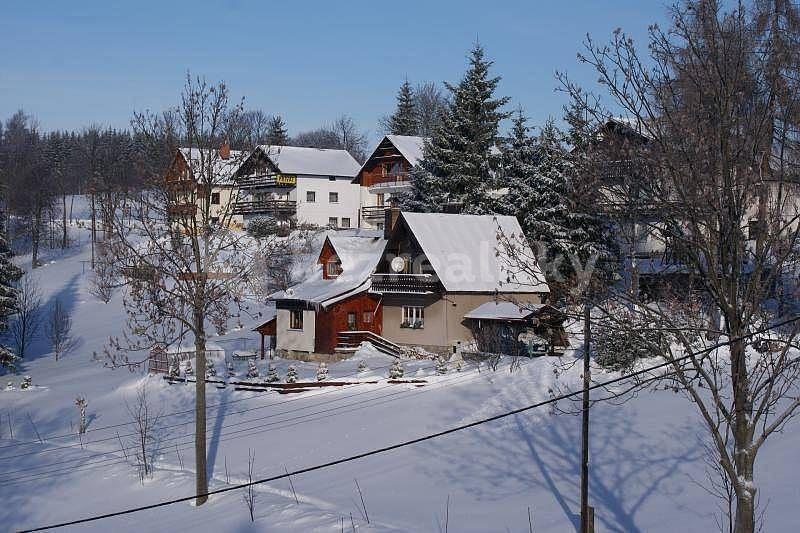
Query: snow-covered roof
(502, 310)
(359, 252)
(466, 252)
(409, 146)
(223, 169)
(311, 161)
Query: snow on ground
(643, 452)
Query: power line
(411, 442)
(174, 413)
(281, 424)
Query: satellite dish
(289, 292)
(398, 264)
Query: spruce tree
(277, 135)
(9, 274)
(542, 176)
(459, 167)
(404, 121)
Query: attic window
(333, 268)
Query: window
(332, 222)
(333, 268)
(366, 317)
(333, 197)
(754, 228)
(351, 320)
(214, 198)
(331, 178)
(413, 317)
(311, 197)
(345, 222)
(379, 199)
(296, 319)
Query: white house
(311, 185)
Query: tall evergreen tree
(460, 165)
(9, 273)
(543, 196)
(277, 135)
(405, 121)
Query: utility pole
(587, 514)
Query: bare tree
(146, 422)
(718, 99)
(249, 492)
(28, 320)
(58, 330)
(341, 134)
(104, 278)
(186, 270)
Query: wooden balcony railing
(404, 283)
(373, 212)
(265, 207)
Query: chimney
(390, 216)
(225, 151)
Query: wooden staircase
(350, 341)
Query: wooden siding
(372, 172)
(329, 322)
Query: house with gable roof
(416, 283)
(437, 268)
(384, 174)
(334, 299)
(308, 185)
(197, 175)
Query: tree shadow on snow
(532, 454)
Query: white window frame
(413, 316)
(296, 319)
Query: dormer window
(333, 267)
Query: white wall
(293, 339)
(321, 210)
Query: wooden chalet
(312, 316)
(196, 176)
(386, 173)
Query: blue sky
(75, 63)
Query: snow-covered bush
(322, 372)
(10, 385)
(231, 370)
(396, 370)
(187, 368)
(272, 374)
(291, 374)
(441, 365)
(618, 348)
(252, 369)
(27, 382)
(362, 366)
(261, 227)
(211, 370)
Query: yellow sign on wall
(286, 179)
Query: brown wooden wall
(372, 172)
(334, 319)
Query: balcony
(404, 283)
(266, 207)
(391, 183)
(373, 212)
(256, 182)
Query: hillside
(645, 452)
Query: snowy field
(645, 453)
